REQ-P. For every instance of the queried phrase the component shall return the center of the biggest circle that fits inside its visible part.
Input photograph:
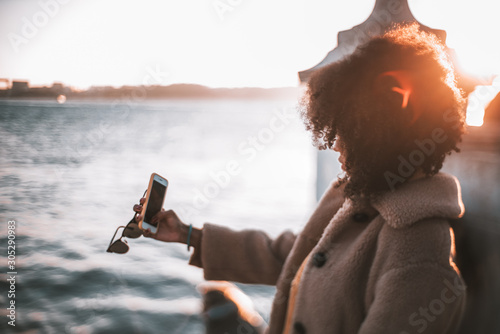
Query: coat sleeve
(247, 256)
(423, 298)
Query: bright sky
(254, 43)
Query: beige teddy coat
(383, 266)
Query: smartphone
(155, 197)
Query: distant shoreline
(176, 91)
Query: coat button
(360, 217)
(319, 259)
(299, 328)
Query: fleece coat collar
(441, 198)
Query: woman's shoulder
(331, 201)
(427, 244)
(416, 229)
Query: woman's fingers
(147, 233)
(138, 207)
(160, 215)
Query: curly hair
(395, 105)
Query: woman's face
(339, 147)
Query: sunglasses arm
(114, 235)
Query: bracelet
(189, 236)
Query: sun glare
(471, 30)
(478, 101)
(480, 60)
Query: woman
(376, 255)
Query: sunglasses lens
(132, 231)
(119, 247)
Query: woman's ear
(400, 87)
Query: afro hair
(395, 105)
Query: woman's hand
(170, 227)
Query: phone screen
(155, 202)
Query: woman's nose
(336, 146)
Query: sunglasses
(131, 230)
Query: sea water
(70, 174)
